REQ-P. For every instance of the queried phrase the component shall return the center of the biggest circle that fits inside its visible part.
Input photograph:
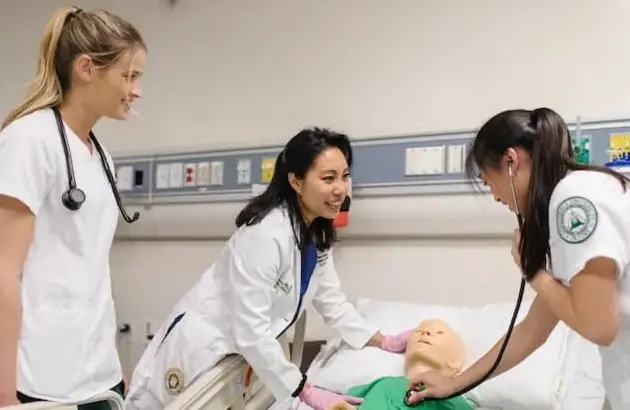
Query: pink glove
(396, 343)
(320, 399)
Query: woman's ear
(295, 182)
(511, 161)
(84, 67)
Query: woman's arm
(253, 270)
(25, 179)
(15, 237)
(526, 337)
(590, 306)
(330, 302)
(588, 243)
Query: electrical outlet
(190, 175)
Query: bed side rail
(115, 401)
(222, 387)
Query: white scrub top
(67, 346)
(589, 217)
(240, 305)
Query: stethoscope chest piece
(73, 199)
(408, 395)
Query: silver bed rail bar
(115, 402)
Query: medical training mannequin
(573, 248)
(277, 262)
(57, 316)
(432, 346)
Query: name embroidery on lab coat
(322, 258)
(283, 286)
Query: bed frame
(115, 402)
(224, 388)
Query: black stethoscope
(74, 197)
(508, 334)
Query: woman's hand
(516, 247)
(431, 384)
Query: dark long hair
(545, 136)
(298, 157)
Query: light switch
(163, 176)
(244, 171)
(124, 178)
(425, 160)
(176, 177)
(203, 174)
(216, 174)
(456, 158)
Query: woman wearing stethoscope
(277, 262)
(58, 214)
(573, 248)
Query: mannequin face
(434, 346)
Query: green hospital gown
(388, 393)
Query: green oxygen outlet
(582, 149)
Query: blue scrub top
(309, 259)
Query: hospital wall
(238, 73)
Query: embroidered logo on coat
(174, 381)
(576, 218)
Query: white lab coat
(241, 304)
(589, 216)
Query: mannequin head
(434, 346)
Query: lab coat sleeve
(330, 301)
(586, 221)
(253, 269)
(26, 171)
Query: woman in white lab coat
(58, 213)
(574, 247)
(277, 262)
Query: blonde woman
(58, 213)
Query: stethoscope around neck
(73, 198)
(508, 334)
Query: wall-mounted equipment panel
(411, 165)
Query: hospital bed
(115, 401)
(564, 374)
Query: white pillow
(534, 384)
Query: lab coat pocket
(50, 346)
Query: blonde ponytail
(45, 90)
